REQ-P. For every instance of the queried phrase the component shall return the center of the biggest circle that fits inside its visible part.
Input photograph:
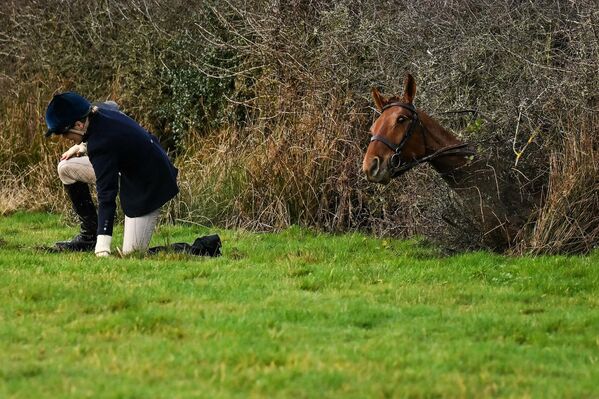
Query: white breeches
(76, 169)
(138, 231)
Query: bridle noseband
(395, 163)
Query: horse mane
(439, 133)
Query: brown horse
(404, 137)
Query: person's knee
(75, 170)
(65, 172)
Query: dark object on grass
(202, 246)
(67, 246)
(77, 244)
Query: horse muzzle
(376, 170)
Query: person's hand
(103, 245)
(77, 149)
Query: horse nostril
(374, 166)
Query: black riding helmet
(64, 110)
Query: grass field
(296, 314)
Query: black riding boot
(86, 211)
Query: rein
(397, 167)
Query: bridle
(396, 166)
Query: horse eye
(401, 119)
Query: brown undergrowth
(568, 221)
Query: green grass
(296, 314)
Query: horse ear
(409, 88)
(378, 98)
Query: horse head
(390, 130)
(403, 137)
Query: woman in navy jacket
(123, 155)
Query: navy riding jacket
(122, 152)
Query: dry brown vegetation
(569, 219)
(266, 112)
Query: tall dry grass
(568, 221)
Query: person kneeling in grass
(119, 153)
